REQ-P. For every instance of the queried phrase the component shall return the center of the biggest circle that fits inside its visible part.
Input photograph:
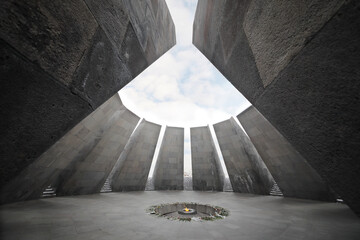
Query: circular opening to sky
(182, 88)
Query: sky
(182, 88)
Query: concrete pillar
(134, 163)
(207, 174)
(169, 169)
(294, 176)
(241, 161)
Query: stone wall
(56, 165)
(169, 169)
(297, 63)
(241, 159)
(62, 59)
(132, 171)
(89, 175)
(207, 174)
(294, 176)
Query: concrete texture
(275, 41)
(240, 159)
(58, 162)
(294, 176)
(108, 74)
(153, 26)
(89, 175)
(61, 60)
(207, 174)
(218, 34)
(113, 216)
(32, 119)
(134, 164)
(52, 34)
(169, 168)
(313, 97)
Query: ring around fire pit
(185, 211)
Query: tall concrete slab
(134, 164)
(158, 38)
(207, 174)
(89, 175)
(57, 163)
(169, 169)
(297, 63)
(241, 160)
(294, 176)
(62, 60)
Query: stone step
(275, 191)
(106, 187)
(49, 192)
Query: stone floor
(122, 216)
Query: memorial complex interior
(75, 161)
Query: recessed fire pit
(189, 211)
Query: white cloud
(182, 88)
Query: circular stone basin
(195, 211)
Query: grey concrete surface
(218, 34)
(207, 173)
(275, 41)
(59, 24)
(134, 164)
(58, 162)
(32, 119)
(113, 216)
(294, 176)
(241, 159)
(169, 168)
(153, 26)
(311, 68)
(89, 175)
(93, 83)
(61, 60)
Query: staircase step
(275, 191)
(49, 192)
(107, 187)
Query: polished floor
(122, 216)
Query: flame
(186, 209)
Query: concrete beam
(169, 169)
